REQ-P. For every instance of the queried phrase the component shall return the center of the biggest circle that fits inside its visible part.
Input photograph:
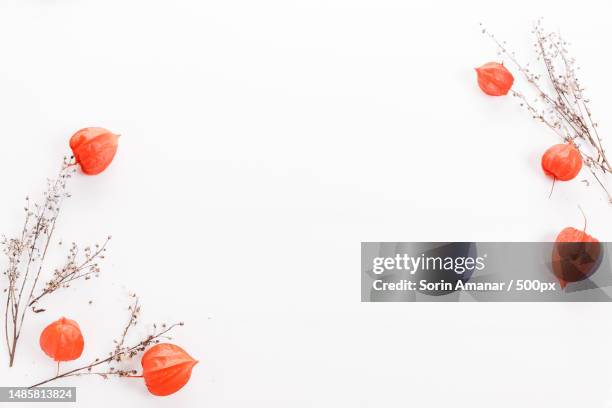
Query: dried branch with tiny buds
(121, 352)
(26, 258)
(559, 100)
(74, 269)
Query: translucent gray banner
(485, 272)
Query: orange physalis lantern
(62, 340)
(562, 161)
(494, 79)
(576, 255)
(166, 368)
(94, 149)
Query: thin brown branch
(27, 253)
(564, 110)
(71, 271)
(120, 352)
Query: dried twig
(563, 108)
(74, 269)
(26, 255)
(121, 352)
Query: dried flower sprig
(121, 352)
(75, 268)
(26, 257)
(563, 108)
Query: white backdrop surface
(262, 141)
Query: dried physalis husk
(166, 368)
(94, 149)
(62, 340)
(562, 161)
(576, 256)
(494, 79)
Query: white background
(262, 141)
